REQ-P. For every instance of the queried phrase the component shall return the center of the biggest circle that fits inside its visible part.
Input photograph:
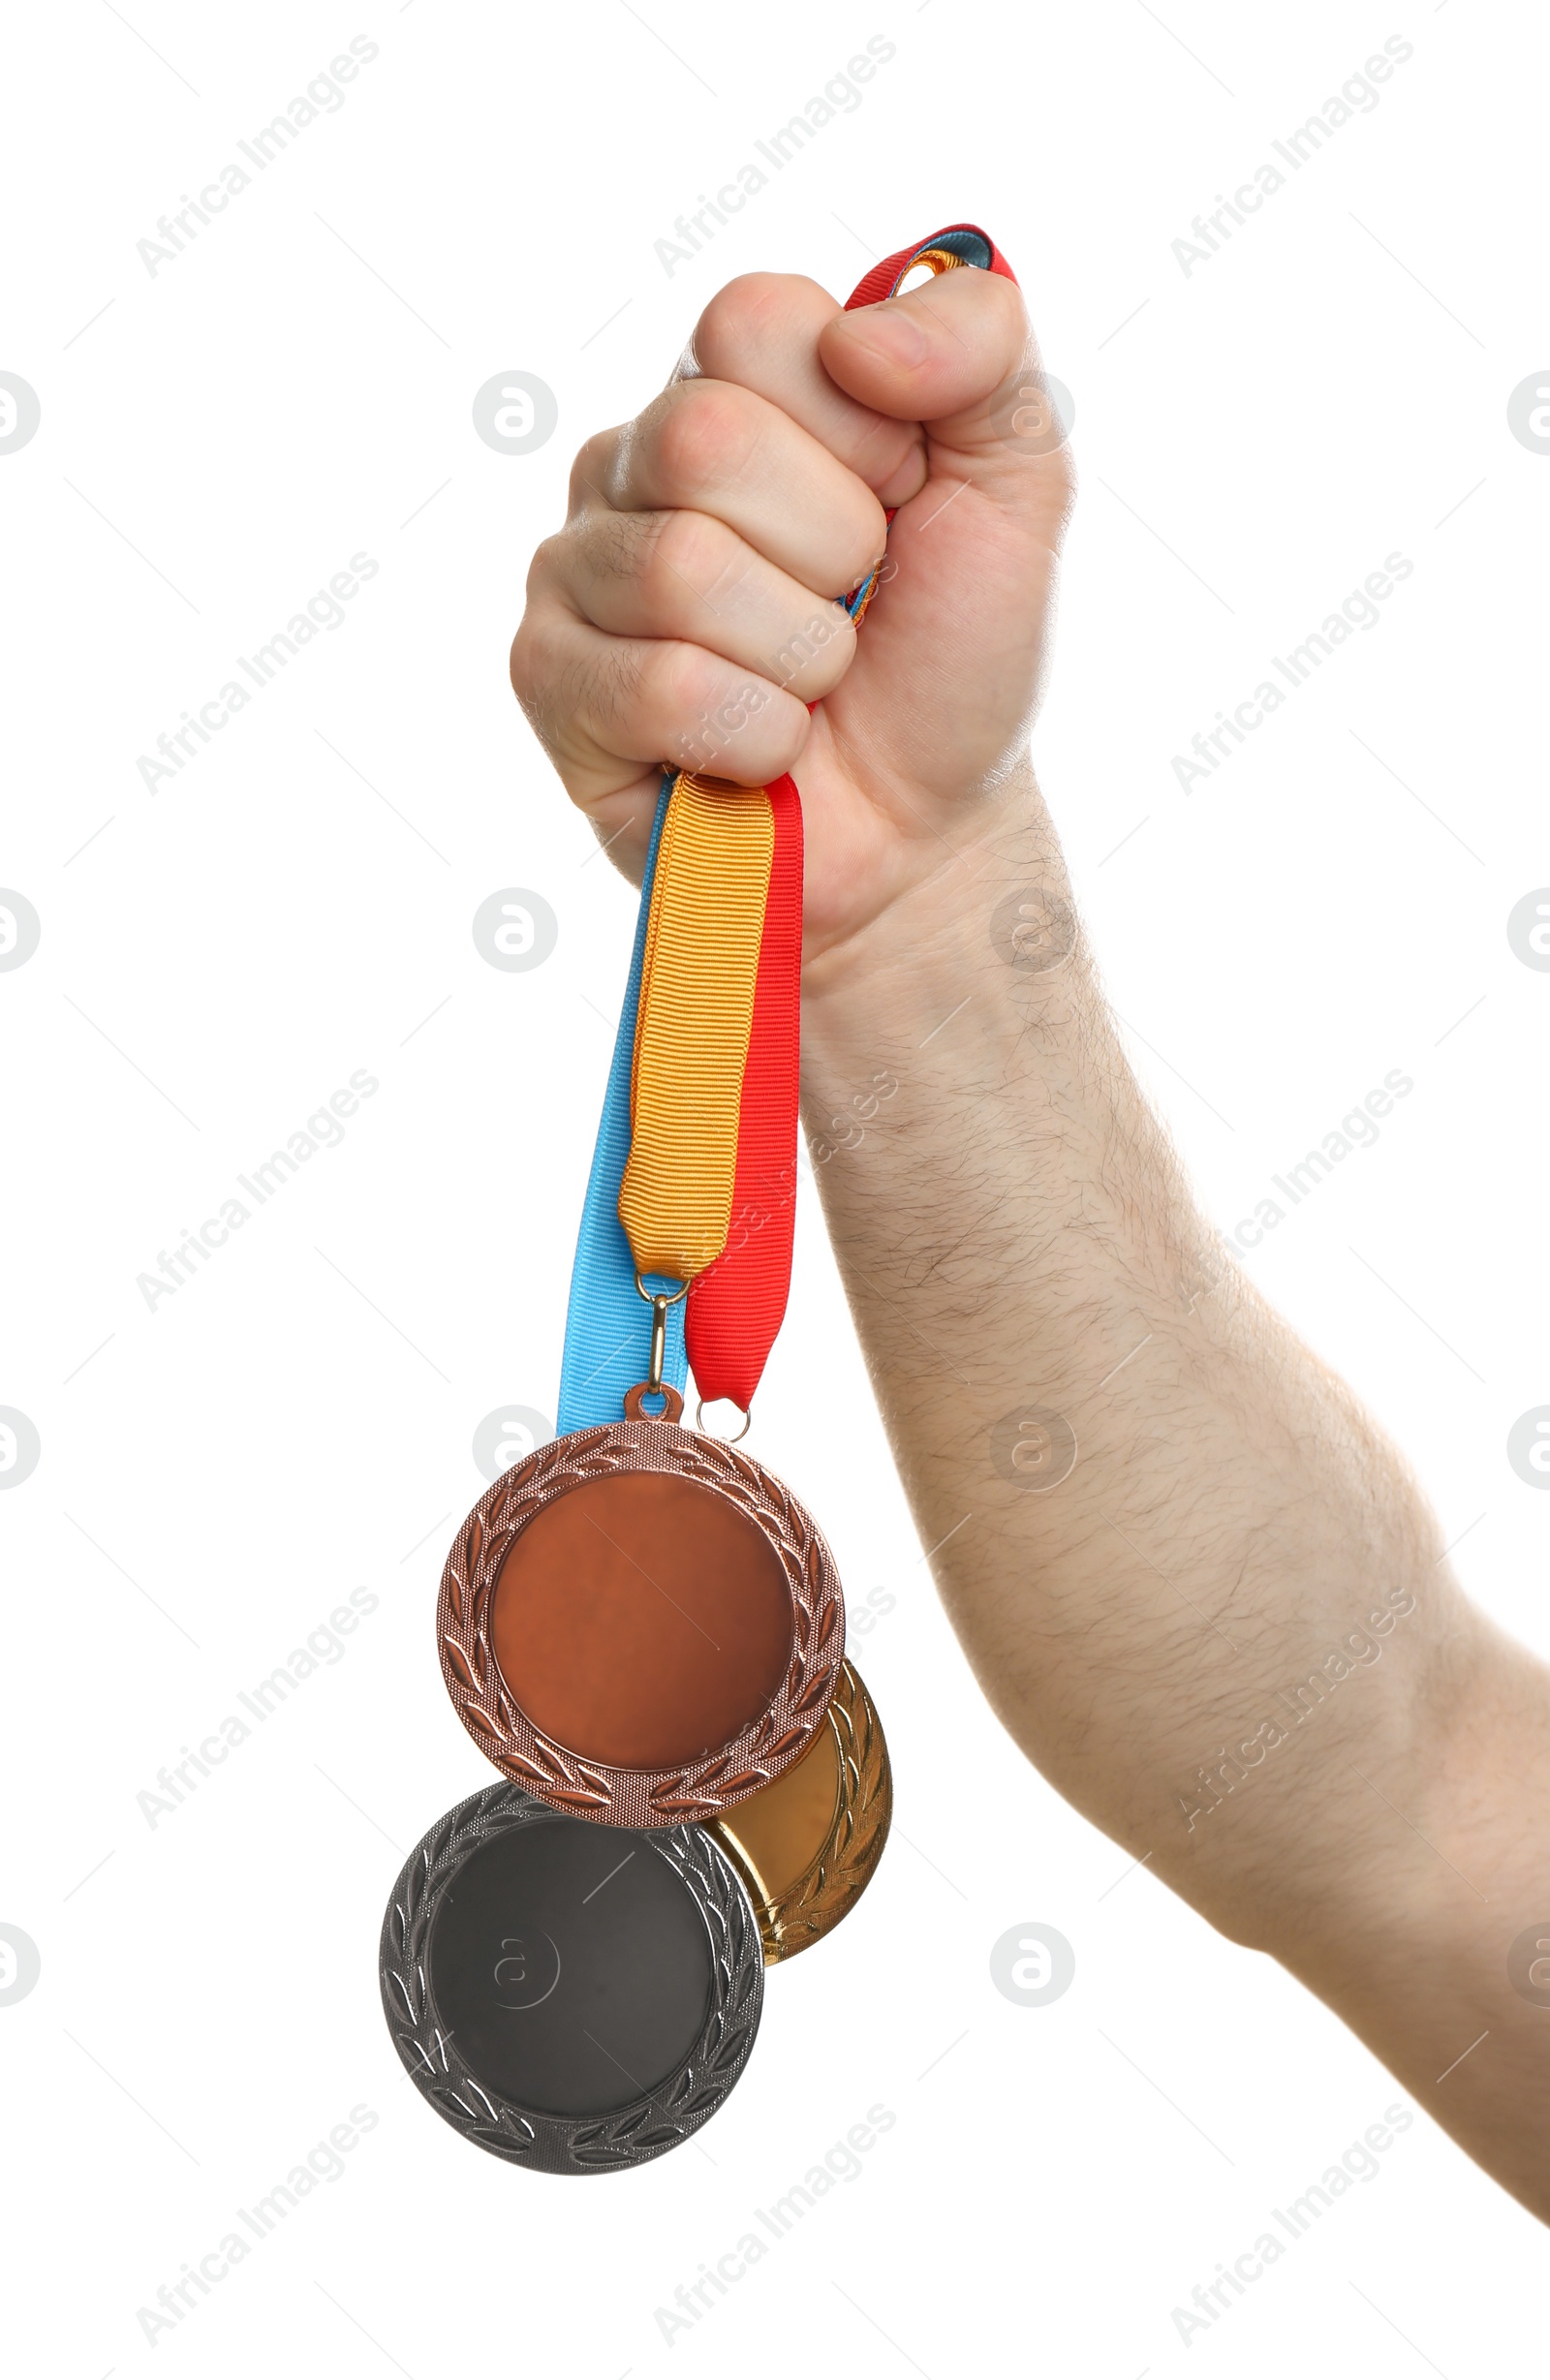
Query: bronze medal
(807, 1845)
(641, 1626)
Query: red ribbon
(736, 1306)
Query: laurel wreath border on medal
(592, 1789)
(650, 2123)
(841, 1870)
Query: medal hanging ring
(659, 1300)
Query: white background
(218, 957)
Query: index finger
(763, 332)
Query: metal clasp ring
(658, 1301)
(746, 1412)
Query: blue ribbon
(608, 1323)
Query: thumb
(947, 677)
(959, 357)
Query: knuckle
(819, 652)
(686, 549)
(704, 438)
(590, 469)
(542, 672)
(609, 679)
(531, 664)
(685, 681)
(548, 558)
(736, 318)
(521, 665)
(711, 703)
(661, 554)
(616, 543)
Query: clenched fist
(688, 612)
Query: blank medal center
(642, 1621)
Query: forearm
(1227, 1634)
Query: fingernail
(898, 335)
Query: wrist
(951, 927)
(964, 1087)
(968, 1008)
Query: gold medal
(807, 1847)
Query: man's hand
(1198, 1586)
(687, 612)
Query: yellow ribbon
(696, 1005)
